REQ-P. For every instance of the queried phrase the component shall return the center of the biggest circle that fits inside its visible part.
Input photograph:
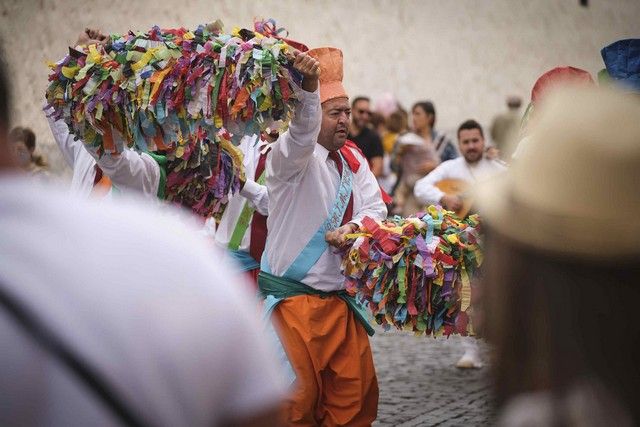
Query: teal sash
(281, 288)
(317, 244)
(275, 289)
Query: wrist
(310, 84)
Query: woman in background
(418, 153)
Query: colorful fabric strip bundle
(416, 272)
(171, 92)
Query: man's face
(335, 123)
(361, 114)
(471, 144)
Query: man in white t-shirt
(107, 318)
(473, 166)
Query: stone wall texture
(465, 55)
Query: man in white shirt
(105, 320)
(320, 188)
(87, 178)
(473, 166)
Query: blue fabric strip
(317, 245)
(244, 260)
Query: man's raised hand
(90, 36)
(309, 67)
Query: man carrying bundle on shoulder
(320, 188)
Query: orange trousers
(329, 351)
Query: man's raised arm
(292, 151)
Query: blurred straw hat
(574, 188)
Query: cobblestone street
(420, 386)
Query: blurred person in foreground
(366, 138)
(450, 185)
(562, 266)
(105, 321)
(23, 145)
(505, 126)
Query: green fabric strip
(282, 288)
(162, 184)
(243, 220)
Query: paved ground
(420, 386)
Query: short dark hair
(358, 99)
(427, 107)
(470, 124)
(5, 96)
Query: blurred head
(336, 114)
(561, 275)
(471, 141)
(23, 145)
(378, 122)
(361, 112)
(423, 115)
(24, 135)
(398, 121)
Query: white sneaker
(470, 359)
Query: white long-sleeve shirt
(426, 191)
(129, 170)
(132, 170)
(75, 155)
(303, 182)
(252, 192)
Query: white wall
(465, 55)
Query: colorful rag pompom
(416, 273)
(175, 93)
